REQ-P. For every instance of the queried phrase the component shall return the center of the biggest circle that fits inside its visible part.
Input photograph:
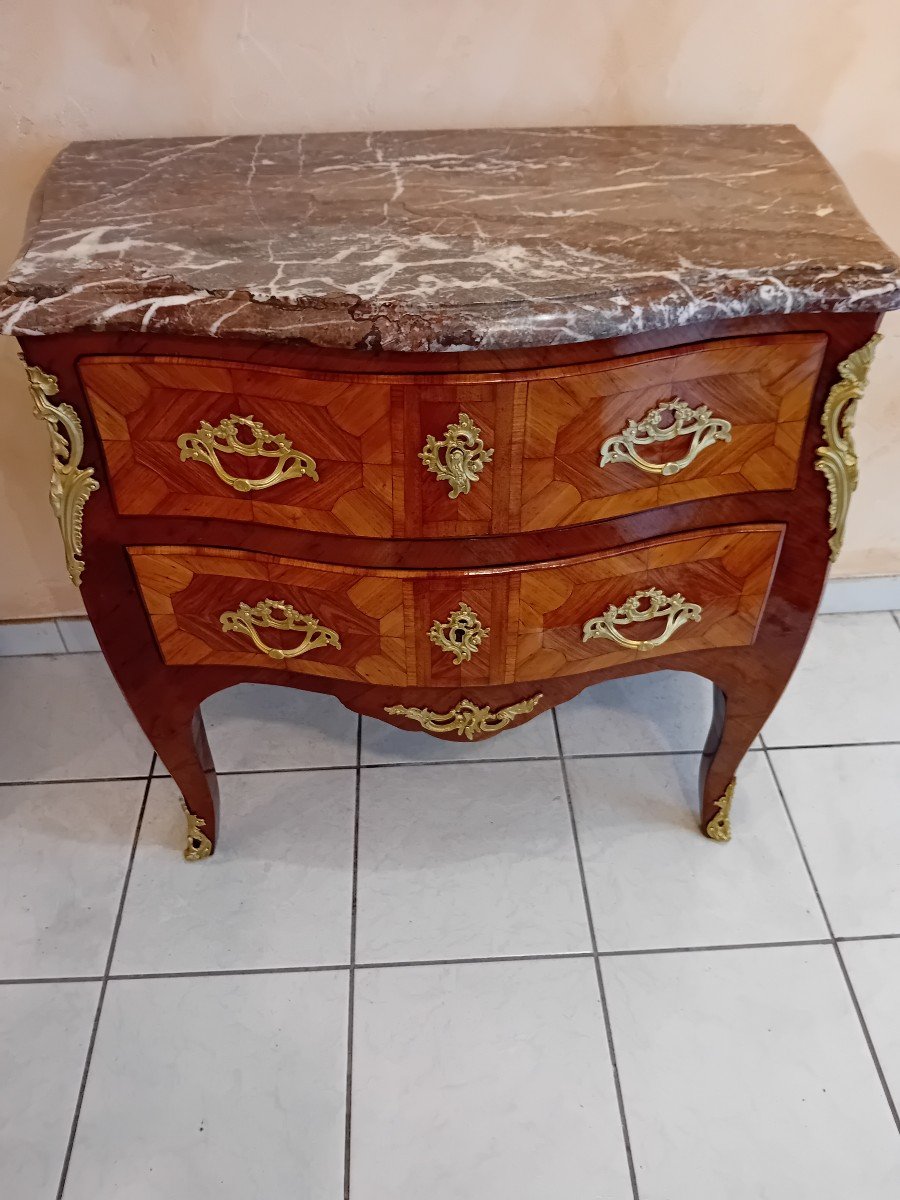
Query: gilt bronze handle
(225, 438)
(276, 614)
(676, 610)
(670, 420)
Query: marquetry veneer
(329, 551)
(545, 428)
(536, 614)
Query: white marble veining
(444, 240)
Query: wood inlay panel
(431, 409)
(142, 406)
(388, 590)
(535, 614)
(366, 437)
(727, 573)
(187, 590)
(762, 386)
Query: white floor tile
(845, 687)
(846, 805)
(383, 743)
(465, 862)
(44, 1033)
(745, 1075)
(63, 717)
(484, 1080)
(655, 881)
(667, 710)
(874, 968)
(78, 635)
(64, 850)
(216, 1088)
(30, 637)
(276, 893)
(261, 727)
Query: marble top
(443, 241)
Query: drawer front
(458, 458)
(447, 629)
(325, 465)
(602, 443)
(696, 591)
(236, 608)
(232, 608)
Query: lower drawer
(690, 592)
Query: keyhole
(458, 635)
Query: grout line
(834, 745)
(447, 762)
(103, 985)
(462, 962)
(868, 937)
(723, 946)
(645, 952)
(52, 979)
(597, 968)
(92, 779)
(837, 950)
(351, 983)
(229, 971)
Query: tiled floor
(505, 972)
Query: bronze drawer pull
(684, 421)
(467, 719)
(209, 442)
(276, 614)
(464, 455)
(675, 609)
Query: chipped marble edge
(349, 322)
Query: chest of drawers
(456, 456)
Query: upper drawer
(463, 456)
(688, 424)
(693, 591)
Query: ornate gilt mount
(719, 827)
(837, 458)
(675, 609)
(460, 635)
(70, 485)
(197, 845)
(467, 719)
(459, 457)
(225, 438)
(670, 420)
(276, 614)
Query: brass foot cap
(719, 827)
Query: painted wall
(124, 68)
